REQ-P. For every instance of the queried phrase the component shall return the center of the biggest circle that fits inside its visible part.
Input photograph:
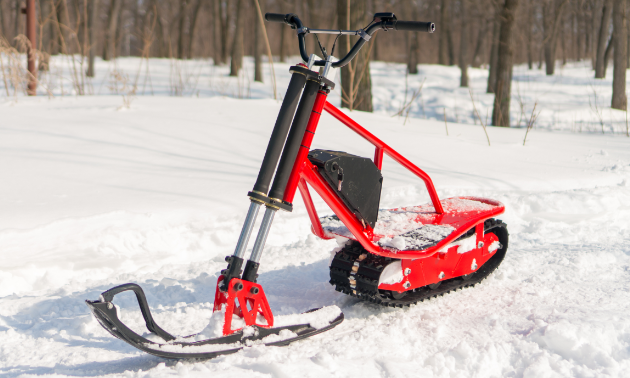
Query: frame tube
(292, 145)
(343, 118)
(305, 146)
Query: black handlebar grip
(428, 27)
(275, 17)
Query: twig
(532, 120)
(445, 124)
(413, 97)
(273, 71)
(475, 108)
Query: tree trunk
(48, 30)
(412, 53)
(563, 42)
(236, 61)
(109, 50)
(313, 15)
(2, 29)
(258, 38)
(224, 17)
(501, 111)
(552, 10)
(183, 5)
(193, 24)
(608, 53)
(483, 29)
(92, 17)
(217, 55)
(444, 30)
(620, 38)
(530, 28)
(600, 68)
(356, 82)
(463, 46)
(64, 24)
(628, 36)
(18, 25)
(120, 30)
(494, 54)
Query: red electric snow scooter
(392, 257)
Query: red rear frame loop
(304, 172)
(383, 148)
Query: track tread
(367, 287)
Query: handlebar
(278, 17)
(385, 21)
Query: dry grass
(119, 84)
(531, 122)
(476, 112)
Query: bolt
(238, 286)
(441, 275)
(480, 245)
(110, 306)
(254, 290)
(473, 266)
(407, 272)
(407, 285)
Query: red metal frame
(304, 172)
(419, 268)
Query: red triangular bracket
(244, 299)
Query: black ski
(106, 314)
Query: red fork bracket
(244, 299)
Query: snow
(418, 239)
(392, 274)
(494, 246)
(94, 195)
(398, 228)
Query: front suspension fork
(304, 85)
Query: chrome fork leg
(235, 262)
(251, 268)
(246, 232)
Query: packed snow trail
(93, 197)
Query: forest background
(491, 34)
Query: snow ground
(95, 195)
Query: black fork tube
(279, 134)
(292, 145)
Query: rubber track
(371, 266)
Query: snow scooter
(391, 257)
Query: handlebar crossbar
(387, 23)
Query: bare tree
(463, 46)
(620, 37)
(494, 53)
(237, 43)
(600, 66)
(2, 30)
(193, 25)
(501, 111)
(552, 13)
(444, 28)
(531, 10)
(183, 6)
(257, 49)
(356, 83)
(483, 27)
(109, 48)
(412, 53)
(92, 17)
(225, 19)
